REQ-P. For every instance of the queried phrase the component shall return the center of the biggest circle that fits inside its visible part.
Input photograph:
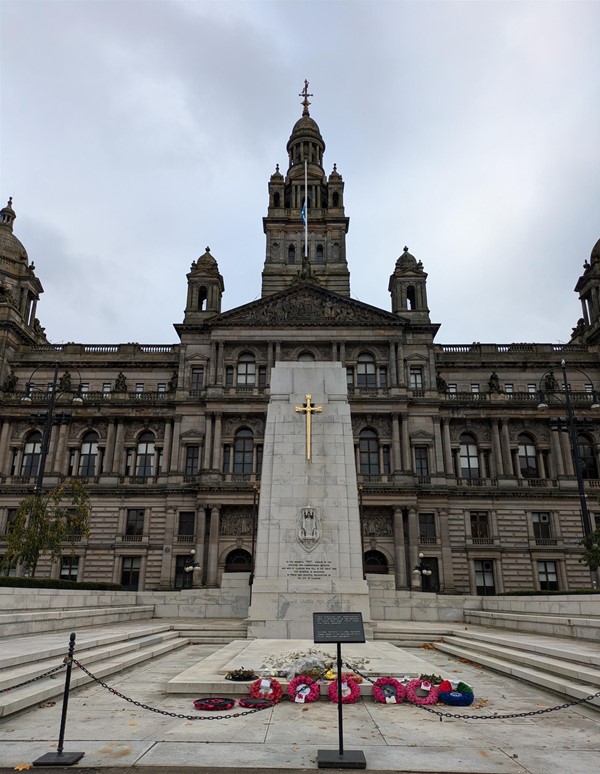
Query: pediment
(306, 304)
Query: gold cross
(304, 93)
(309, 410)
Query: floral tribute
(421, 692)
(350, 691)
(388, 690)
(267, 688)
(214, 703)
(456, 695)
(254, 703)
(241, 675)
(303, 689)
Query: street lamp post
(421, 569)
(191, 566)
(570, 425)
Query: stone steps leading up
(407, 636)
(577, 626)
(570, 679)
(15, 623)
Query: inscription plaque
(309, 569)
(338, 627)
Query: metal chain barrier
(178, 715)
(456, 716)
(34, 679)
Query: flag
(304, 213)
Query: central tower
(327, 222)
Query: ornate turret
(587, 330)
(20, 289)
(323, 254)
(408, 288)
(205, 289)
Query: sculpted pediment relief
(307, 305)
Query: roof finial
(9, 201)
(304, 93)
(405, 249)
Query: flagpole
(305, 209)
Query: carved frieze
(231, 424)
(481, 430)
(236, 524)
(133, 429)
(377, 523)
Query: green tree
(591, 550)
(45, 522)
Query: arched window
(246, 369)
(527, 457)
(276, 199)
(145, 454)
(336, 199)
(306, 357)
(89, 454)
(411, 298)
(587, 456)
(469, 457)
(368, 452)
(365, 371)
(32, 455)
(320, 256)
(375, 562)
(242, 451)
(238, 560)
(202, 296)
(291, 254)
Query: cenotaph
(308, 544)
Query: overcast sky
(136, 132)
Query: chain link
(529, 714)
(35, 679)
(178, 715)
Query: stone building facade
(456, 454)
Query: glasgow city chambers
(477, 464)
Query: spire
(7, 215)
(305, 103)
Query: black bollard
(60, 758)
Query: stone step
(580, 652)
(565, 667)
(567, 688)
(581, 627)
(48, 688)
(34, 622)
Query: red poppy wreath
(266, 688)
(303, 689)
(421, 692)
(388, 690)
(350, 691)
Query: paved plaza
(116, 735)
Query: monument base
(281, 610)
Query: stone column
(456, 455)
(220, 362)
(212, 377)
(175, 443)
(167, 564)
(59, 457)
(447, 564)
(438, 451)
(557, 453)
(107, 462)
(399, 550)
(52, 449)
(119, 447)
(213, 545)
(396, 455)
(343, 353)
(515, 461)
(497, 451)
(567, 454)
(413, 547)
(541, 464)
(206, 461)
(167, 446)
(393, 365)
(505, 448)
(201, 540)
(216, 458)
(406, 461)
(4, 448)
(447, 447)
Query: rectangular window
(480, 526)
(383, 377)
(162, 387)
(72, 455)
(350, 376)
(229, 376)
(262, 377)
(84, 388)
(542, 528)
(226, 458)
(484, 577)
(427, 526)
(197, 377)
(415, 376)
(589, 388)
(548, 576)
(385, 459)
(129, 462)
(69, 568)
(421, 461)
(159, 460)
(259, 457)
(139, 387)
(183, 579)
(192, 458)
(508, 389)
(453, 389)
(130, 572)
(532, 389)
(134, 526)
(106, 386)
(475, 389)
(11, 515)
(187, 523)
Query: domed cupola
(205, 289)
(20, 289)
(408, 288)
(311, 238)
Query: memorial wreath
(350, 691)
(455, 694)
(214, 703)
(421, 692)
(267, 688)
(388, 690)
(303, 689)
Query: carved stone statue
(494, 383)
(550, 383)
(10, 382)
(173, 381)
(64, 383)
(579, 329)
(121, 382)
(309, 533)
(442, 384)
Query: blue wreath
(456, 698)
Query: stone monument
(308, 545)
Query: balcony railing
(185, 538)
